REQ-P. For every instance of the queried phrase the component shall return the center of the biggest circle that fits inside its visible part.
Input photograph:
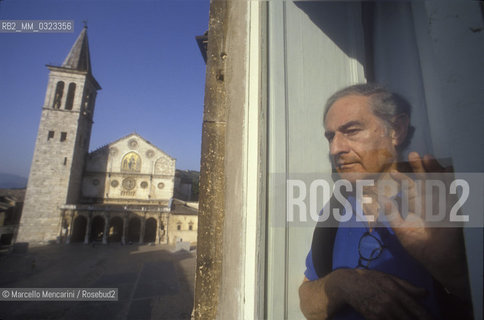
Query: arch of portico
(115, 233)
(78, 229)
(97, 228)
(150, 230)
(134, 229)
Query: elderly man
(394, 266)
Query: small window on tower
(50, 136)
(63, 136)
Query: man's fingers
(402, 178)
(392, 214)
(407, 183)
(416, 162)
(431, 164)
(399, 176)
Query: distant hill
(8, 180)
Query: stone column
(167, 229)
(106, 228)
(71, 225)
(88, 228)
(62, 223)
(164, 232)
(142, 228)
(125, 226)
(158, 230)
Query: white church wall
(130, 168)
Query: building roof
(179, 207)
(17, 194)
(105, 148)
(79, 58)
(202, 42)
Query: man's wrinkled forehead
(347, 109)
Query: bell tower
(62, 144)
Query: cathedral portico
(106, 223)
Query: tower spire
(79, 57)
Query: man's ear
(400, 128)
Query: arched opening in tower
(79, 229)
(70, 96)
(97, 228)
(115, 229)
(59, 92)
(150, 230)
(134, 226)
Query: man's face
(361, 145)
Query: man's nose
(338, 145)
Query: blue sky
(144, 56)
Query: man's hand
(439, 249)
(375, 295)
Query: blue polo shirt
(393, 260)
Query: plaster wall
(185, 234)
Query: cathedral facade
(122, 192)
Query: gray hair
(384, 104)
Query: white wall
(305, 66)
